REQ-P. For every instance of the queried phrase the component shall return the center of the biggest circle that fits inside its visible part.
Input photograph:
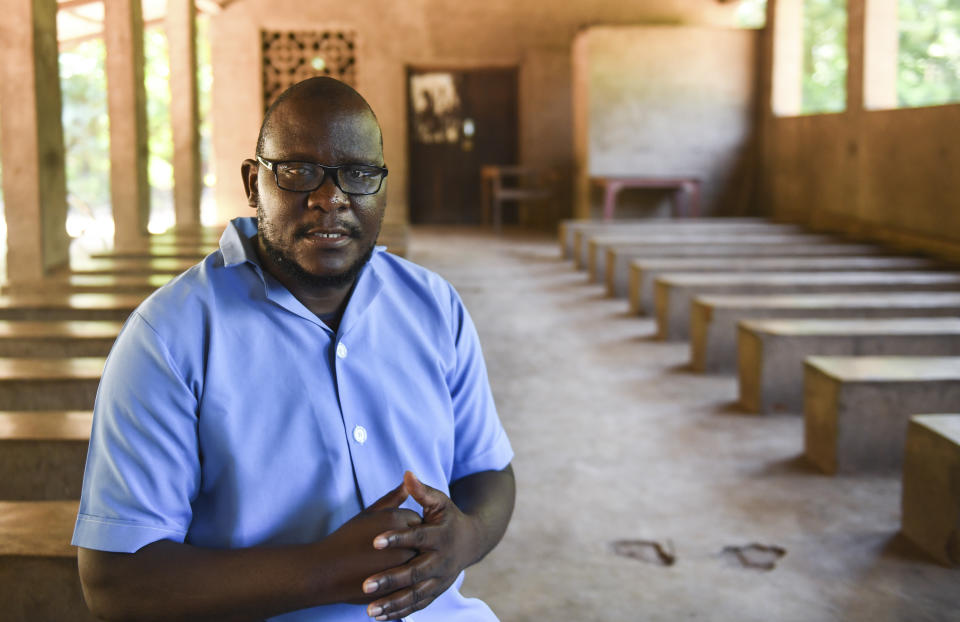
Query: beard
(291, 268)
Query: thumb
(392, 499)
(428, 498)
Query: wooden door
(458, 122)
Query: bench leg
(484, 202)
(610, 199)
(692, 192)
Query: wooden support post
(184, 110)
(127, 103)
(34, 175)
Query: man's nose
(327, 197)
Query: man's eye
(359, 173)
(298, 171)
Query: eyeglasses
(308, 176)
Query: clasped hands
(441, 546)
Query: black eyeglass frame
(270, 165)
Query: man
(300, 427)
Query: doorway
(458, 120)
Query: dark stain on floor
(753, 556)
(648, 551)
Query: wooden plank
(674, 292)
(49, 384)
(571, 231)
(59, 306)
(596, 256)
(37, 528)
(930, 506)
(770, 353)
(42, 454)
(633, 278)
(713, 319)
(57, 339)
(856, 409)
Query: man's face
(321, 238)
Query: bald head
(313, 97)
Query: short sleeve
(481, 444)
(143, 464)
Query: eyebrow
(297, 157)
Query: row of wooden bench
(856, 337)
(54, 337)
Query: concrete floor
(615, 441)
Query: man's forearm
(487, 498)
(169, 580)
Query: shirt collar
(235, 243)
(237, 248)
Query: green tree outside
(86, 128)
(929, 54)
(824, 56)
(751, 14)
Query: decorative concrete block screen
(292, 56)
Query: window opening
(751, 14)
(928, 58)
(824, 80)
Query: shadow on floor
(796, 465)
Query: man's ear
(250, 170)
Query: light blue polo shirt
(231, 416)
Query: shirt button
(360, 434)
(341, 351)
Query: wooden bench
(856, 408)
(568, 229)
(189, 232)
(635, 277)
(49, 384)
(713, 319)
(722, 249)
(598, 246)
(96, 283)
(673, 292)
(57, 339)
(116, 283)
(157, 252)
(584, 250)
(42, 454)
(771, 352)
(686, 192)
(574, 234)
(38, 566)
(930, 506)
(143, 265)
(58, 306)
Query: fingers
(404, 602)
(421, 537)
(392, 499)
(415, 571)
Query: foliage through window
(86, 132)
(86, 136)
(751, 14)
(156, 72)
(929, 52)
(824, 56)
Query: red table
(686, 198)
